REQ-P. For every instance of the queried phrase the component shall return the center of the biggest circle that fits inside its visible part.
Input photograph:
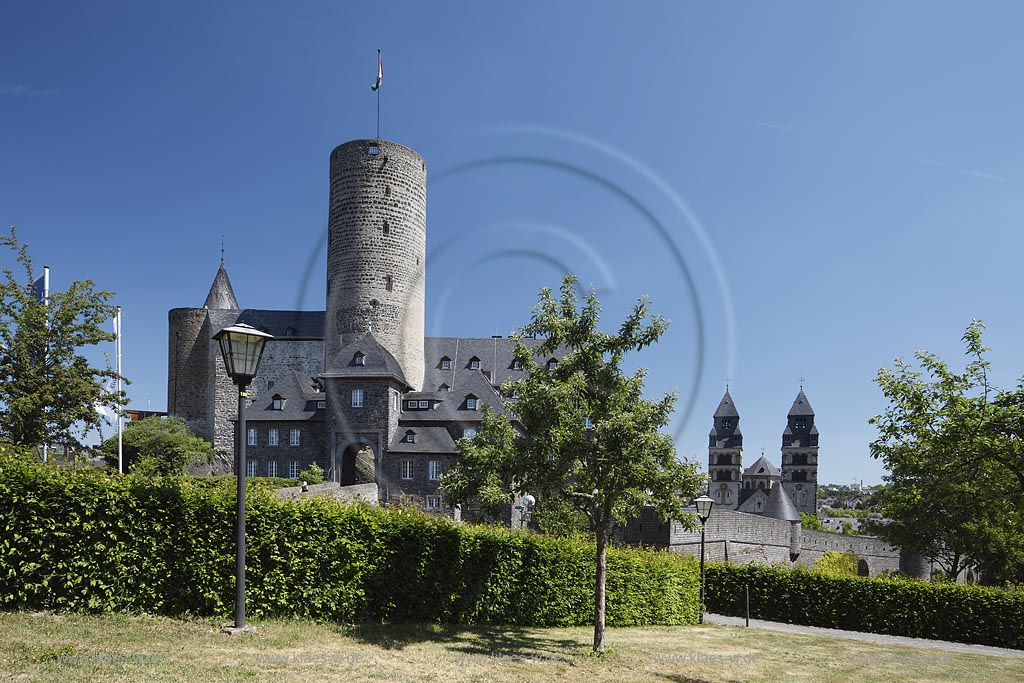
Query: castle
(751, 490)
(357, 388)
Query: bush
(314, 474)
(157, 445)
(896, 606)
(91, 541)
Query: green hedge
(902, 607)
(89, 541)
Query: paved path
(869, 637)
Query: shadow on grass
(479, 641)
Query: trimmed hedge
(89, 541)
(895, 606)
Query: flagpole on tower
(376, 88)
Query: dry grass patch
(72, 648)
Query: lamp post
(242, 347)
(704, 505)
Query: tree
(580, 431)
(157, 446)
(952, 443)
(48, 390)
(809, 520)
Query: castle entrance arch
(862, 568)
(355, 462)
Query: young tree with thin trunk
(579, 431)
(48, 389)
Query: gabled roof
(762, 462)
(428, 440)
(377, 361)
(779, 505)
(726, 408)
(300, 397)
(801, 406)
(221, 296)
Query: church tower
(376, 252)
(725, 454)
(800, 455)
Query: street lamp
(242, 347)
(704, 505)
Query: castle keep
(356, 388)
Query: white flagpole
(117, 330)
(46, 302)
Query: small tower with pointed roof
(800, 455)
(725, 454)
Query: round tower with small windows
(376, 251)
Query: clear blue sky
(854, 170)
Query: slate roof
(727, 408)
(801, 406)
(221, 295)
(780, 506)
(769, 469)
(377, 361)
(300, 324)
(300, 397)
(428, 440)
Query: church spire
(221, 296)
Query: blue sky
(807, 189)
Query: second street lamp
(242, 347)
(704, 505)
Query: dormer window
(444, 387)
(277, 402)
(446, 363)
(321, 405)
(359, 359)
(471, 402)
(424, 404)
(410, 437)
(410, 404)
(517, 365)
(474, 363)
(552, 364)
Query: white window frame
(321, 405)
(433, 502)
(250, 468)
(272, 437)
(516, 365)
(357, 398)
(468, 433)
(446, 364)
(424, 404)
(271, 468)
(471, 403)
(444, 388)
(410, 404)
(294, 437)
(359, 359)
(250, 438)
(408, 470)
(474, 364)
(277, 404)
(410, 437)
(293, 470)
(434, 470)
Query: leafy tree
(809, 520)
(952, 443)
(848, 529)
(314, 474)
(157, 446)
(581, 431)
(837, 563)
(558, 517)
(48, 390)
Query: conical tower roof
(727, 408)
(801, 406)
(779, 505)
(221, 296)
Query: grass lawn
(68, 648)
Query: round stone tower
(376, 251)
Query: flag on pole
(104, 410)
(42, 286)
(380, 72)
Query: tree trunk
(602, 566)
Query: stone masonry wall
(187, 363)
(376, 250)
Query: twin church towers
(748, 490)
